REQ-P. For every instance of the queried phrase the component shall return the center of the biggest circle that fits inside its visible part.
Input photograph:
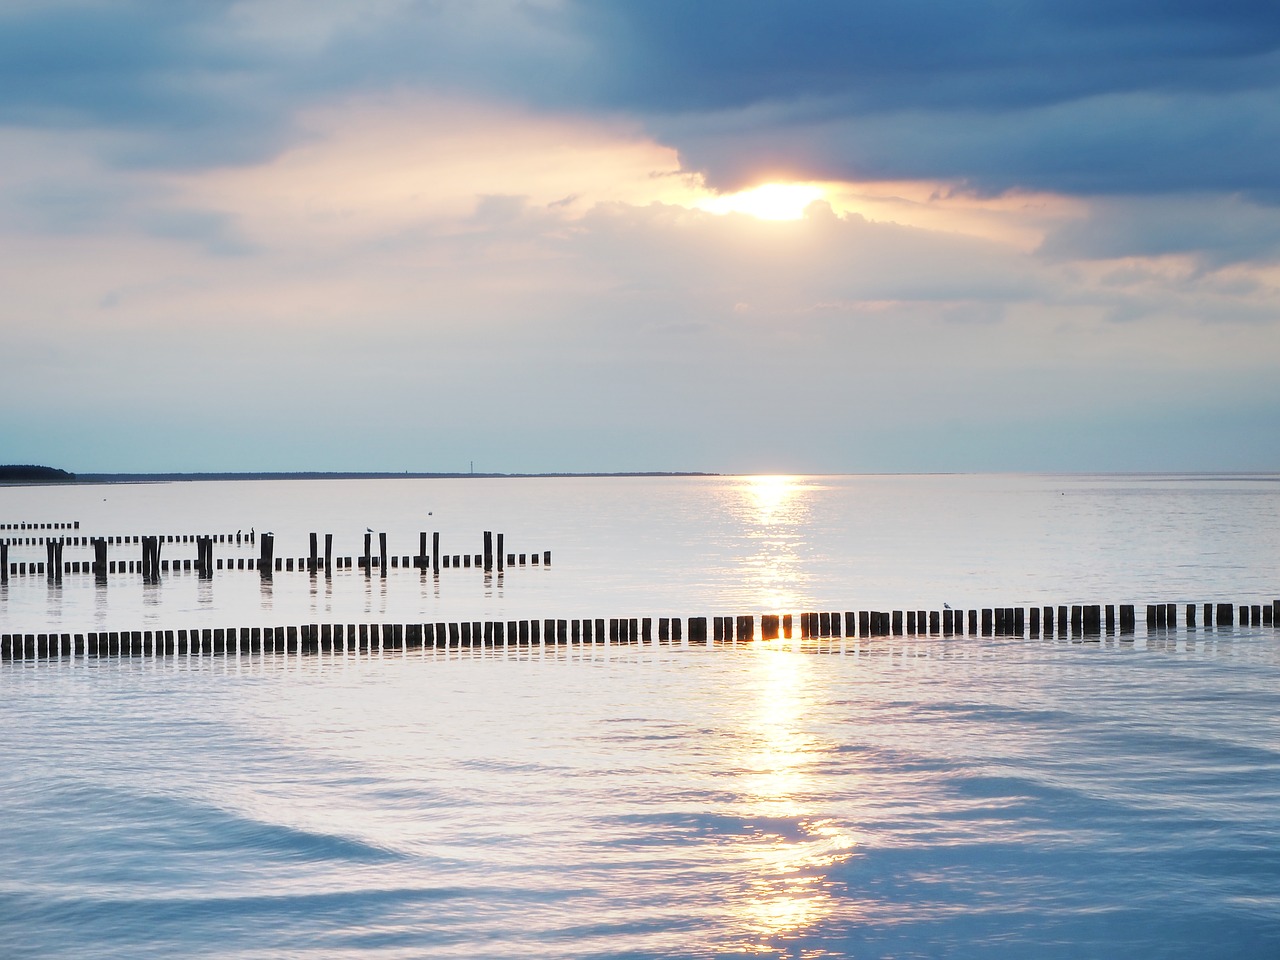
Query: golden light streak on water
(785, 887)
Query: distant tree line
(30, 473)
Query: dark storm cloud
(170, 80)
(672, 55)
(1088, 97)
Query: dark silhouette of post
(488, 551)
(313, 561)
(328, 554)
(382, 553)
(368, 556)
(100, 560)
(266, 556)
(435, 552)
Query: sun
(769, 201)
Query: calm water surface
(669, 546)
(964, 797)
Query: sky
(761, 236)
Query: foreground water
(895, 797)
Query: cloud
(1090, 98)
(1035, 217)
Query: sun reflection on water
(786, 890)
(772, 510)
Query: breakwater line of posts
(1082, 622)
(241, 552)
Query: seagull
(368, 529)
(946, 606)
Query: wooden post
(768, 627)
(382, 553)
(1226, 615)
(267, 548)
(488, 551)
(435, 552)
(1093, 620)
(1128, 618)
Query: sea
(902, 796)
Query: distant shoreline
(351, 475)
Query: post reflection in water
(54, 601)
(773, 512)
(793, 846)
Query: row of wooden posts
(1083, 621)
(65, 525)
(151, 565)
(237, 537)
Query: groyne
(1078, 621)
(148, 561)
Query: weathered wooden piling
(698, 630)
(53, 559)
(1128, 618)
(500, 553)
(488, 551)
(267, 547)
(382, 553)
(1226, 615)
